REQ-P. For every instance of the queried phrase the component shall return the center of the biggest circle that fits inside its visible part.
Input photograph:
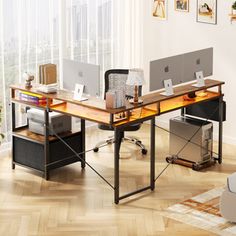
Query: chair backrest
(116, 78)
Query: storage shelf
(179, 102)
(28, 135)
(16, 100)
(83, 112)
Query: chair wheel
(144, 151)
(96, 149)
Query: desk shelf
(178, 102)
(82, 112)
(25, 133)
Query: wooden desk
(94, 109)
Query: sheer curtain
(34, 32)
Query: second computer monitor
(163, 69)
(180, 68)
(75, 72)
(201, 60)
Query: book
(48, 74)
(33, 94)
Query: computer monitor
(180, 68)
(75, 72)
(163, 69)
(201, 60)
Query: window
(42, 31)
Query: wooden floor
(76, 202)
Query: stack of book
(48, 74)
(32, 98)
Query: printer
(58, 123)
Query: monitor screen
(201, 60)
(180, 68)
(163, 69)
(75, 72)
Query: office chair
(114, 79)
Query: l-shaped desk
(154, 104)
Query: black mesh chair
(115, 79)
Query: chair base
(130, 139)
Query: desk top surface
(99, 104)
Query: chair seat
(128, 128)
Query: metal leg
(152, 154)
(83, 143)
(182, 111)
(117, 135)
(13, 115)
(220, 129)
(46, 144)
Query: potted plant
(1, 135)
(234, 8)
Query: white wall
(181, 33)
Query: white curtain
(34, 32)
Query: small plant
(234, 6)
(1, 135)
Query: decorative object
(234, 8)
(232, 15)
(202, 211)
(182, 5)
(136, 79)
(1, 135)
(207, 11)
(28, 79)
(160, 9)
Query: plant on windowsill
(1, 135)
(234, 8)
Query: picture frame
(159, 9)
(200, 79)
(207, 11)
(181, 5)
(168, 85)
(78, 92)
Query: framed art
(182, 5)
(160, 9)
(207, 11)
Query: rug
(202, 211)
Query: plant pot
(234, 11)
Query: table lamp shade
(135, 77)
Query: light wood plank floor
(76, 202)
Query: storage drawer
(31, 154)
(28, 153)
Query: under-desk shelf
(82, 112)
(179, 102)
(24, 133)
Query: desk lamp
(136, 79)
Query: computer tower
(191, 139)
